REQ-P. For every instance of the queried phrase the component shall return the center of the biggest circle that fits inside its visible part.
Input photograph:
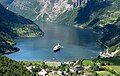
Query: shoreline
(99, 42)
(15, 49)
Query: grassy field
(52, 63)
(87, 62)
(116, 69)
(104, 73)
(49, 63)
(33, 62)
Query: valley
(78, 25)
(98, 15)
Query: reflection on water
(77, 44)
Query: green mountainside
(10, 67)
(19, 25)
(14, 26)
(106, 21)
(101, 16)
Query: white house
(42, 73)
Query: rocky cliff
(46, 10)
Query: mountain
(20, 26)
(46, 10)
(102, 16)
(14, 26)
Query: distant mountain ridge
(46, 10)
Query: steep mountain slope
(46, 10)
(106, 21)
(14, 26)
(19, 25)
(103, 16)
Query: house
(75, 69)
(105, 63)
(59, 73)
(72, 69)
(56, 73)
(87, 67)
(42, 73)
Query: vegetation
(87, 62)
(6, 44)
(14, 26)
(104, 73)
(101, 16)
(88, 67)
(110, 65)
(28, 63)
(10, 67)
(95, 67)
(68, 17)
(116, 69)
(70, 2)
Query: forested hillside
(14, 26)
(10, 67)
(103, 17)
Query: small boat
(57, 47)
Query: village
(75, 68)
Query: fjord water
(77, 44)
